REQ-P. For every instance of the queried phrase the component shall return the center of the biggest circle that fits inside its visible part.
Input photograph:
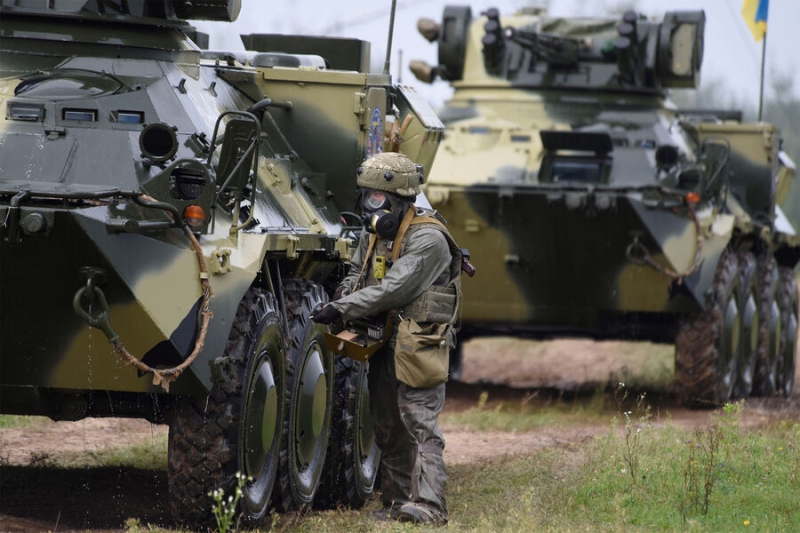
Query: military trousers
(407, 433)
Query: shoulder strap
(372, 240)
(410, 220)
(407, 221)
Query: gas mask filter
(384, 223)
(380, 213)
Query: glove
(325, 314)
(341, 291)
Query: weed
(730, 418)
(482, 400)
(700, 467)
(633, 429)
(225, 509)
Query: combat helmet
(391, 172)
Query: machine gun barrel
(548, 47)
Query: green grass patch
(716, 478)
(21, 422)
(150, 454)
(531, 413)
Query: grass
(531, 413)
(755, 485)
(751, 483)
(21, 422)
(635, 475)
(150, 454)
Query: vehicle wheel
(353, 454)
(769, 330)
(751, 324)
(707, 345)
(309, 395)
(788, 305)
(237, 428)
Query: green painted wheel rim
(312, 406)
(261, 419)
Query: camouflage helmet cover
(390, 172)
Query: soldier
(407, 267)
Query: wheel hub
(312, 405)
(261, 421)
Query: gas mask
(382, 212)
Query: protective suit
(406, 267)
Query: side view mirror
(239, 146)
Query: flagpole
(761, 90)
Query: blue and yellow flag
(755, 15)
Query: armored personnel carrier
(170, 217)
(597, 208)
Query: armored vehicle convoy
(170, 217)
(597, 208)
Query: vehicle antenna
(389, 45)
(400, 66)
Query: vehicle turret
(532, 50)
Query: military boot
(387, 512)
(421, 513)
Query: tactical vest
(438, 303)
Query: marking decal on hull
(375, 133)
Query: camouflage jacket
(424, 267)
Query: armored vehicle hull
(597, 208)
(171, 216)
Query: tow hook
(96, 300)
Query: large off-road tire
(353, 454)
(237, 427)
(769, 331)
(309, 397)
(707, 345)
(751, 324)
(788, 305)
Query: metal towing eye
(95, 295)
(637, 253)
(101, 320)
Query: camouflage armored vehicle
(597, 208)
(170, 217)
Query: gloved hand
(325, 314)
(340, 292)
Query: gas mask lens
(377, 214)
(373, 200)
